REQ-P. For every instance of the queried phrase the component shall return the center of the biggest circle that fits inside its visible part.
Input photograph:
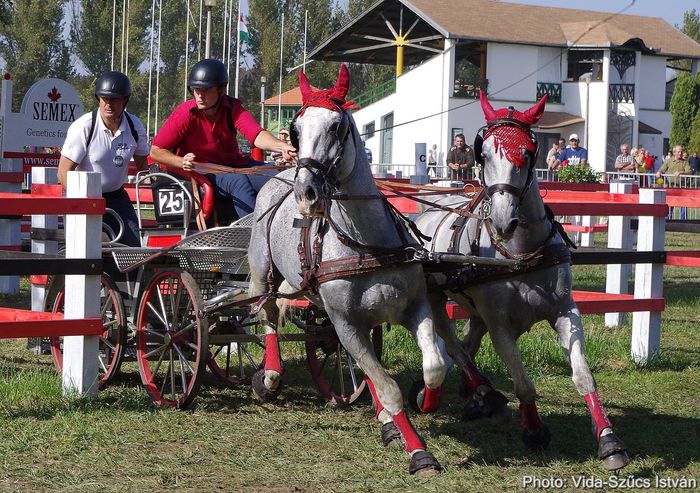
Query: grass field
(230, 443)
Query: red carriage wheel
(236, 361)
(336, 374)
(113, 337)
(172, 339)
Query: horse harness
(314, 270)
(547, 255)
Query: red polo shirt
(188, 130)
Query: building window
(584, 64)
(470, 70)
(368, 131)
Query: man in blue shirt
(572, 154)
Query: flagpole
(238, 48)
(306, 22)
(279, 98)
(228, 51)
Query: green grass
(228, 442)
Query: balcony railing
(622, 93)
(469, 87)
(552, 89)
(376, 93)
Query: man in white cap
(572, 154)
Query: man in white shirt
(106, 140)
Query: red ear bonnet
(528, 117)
(331, 99)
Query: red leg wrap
(272, 354)
(411, 438)
(431, 399)
(473, 378)
(529, 417)
(373, 391)
(598, 413)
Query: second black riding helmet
(207, 73)
(113, 85)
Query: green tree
(691, 28)
(684, 106)
(694, 142)
(91, 43)
(5, 8)
(31, 44)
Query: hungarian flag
(245, 37)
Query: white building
(605, 74)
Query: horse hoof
(616, 461)
(491, 404)
(538, 439)
(391, 435)
(613, 452)
(416, 395)
(423, 464)
(260, 391)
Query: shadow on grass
(670, 440)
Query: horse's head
(323, 134)
(507, 149)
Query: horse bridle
(489, 129)
(325, 171)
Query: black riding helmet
(207, 73)
(113, 85)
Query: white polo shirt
(109, 154)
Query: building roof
(557, 119)
(648, 129)
(289, 98)
(497, 21)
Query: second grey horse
(513, 223)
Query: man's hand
(453, 166)
(187, 161)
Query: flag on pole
(245, 37)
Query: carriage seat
(169, 205)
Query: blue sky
(669, 10)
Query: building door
(387, 138)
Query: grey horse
(512, 222)
(357, 264)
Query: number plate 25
(171, 201)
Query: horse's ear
(533, 115)
(489, 112)
(342, 85)
(304, 86)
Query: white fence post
(10, 229)
(619, 236)
(588, 239)
(42, 176)
(82, 300)
(648, 279)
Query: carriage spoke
(108, 343)
(339, 366)
(351, 368)
(183, 379)
(182, 357)
(172, 376)
(161, 302)
(155, 312)
(159, 349)
(108, 325)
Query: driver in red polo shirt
(204, 128)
